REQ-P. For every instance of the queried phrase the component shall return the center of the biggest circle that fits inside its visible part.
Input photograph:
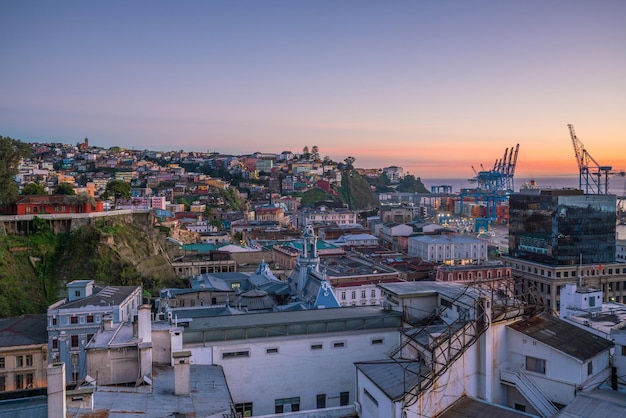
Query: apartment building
(73, 321)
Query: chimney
(57, 406)
(107, 322)
(144, 324)
(144, 334)
(181, 372)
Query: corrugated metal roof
(465, 407)
(108, 296)
(600, 403)
(565, 337)
(395, 378)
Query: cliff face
(116, 250)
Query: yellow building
(23, 353)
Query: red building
(55, 204)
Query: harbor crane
(594, 175)
(500, 177)
(494, 185)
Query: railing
(530, 391)
(58, 216)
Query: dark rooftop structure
(277, 324)
(23, 330)
(465, 407)
(567, 338)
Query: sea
(617, 186)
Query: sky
(435, 87)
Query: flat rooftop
(209, 397)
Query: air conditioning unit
(357, 407)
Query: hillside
(35, 268)
(356, 192)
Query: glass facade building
(562, 227)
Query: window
(74, 360)
(77, 293)
(353, 294)
(590, 368)
(623, 354)
(370, 397)
(344, 398)
(2, 360)
(535, 365)
(89, 319)
(29, 360)
(19, 381)
(74, 341)
(321, 401)
(89, 337)
(74, 320)
(377, 341)
(29, 380)
(286, 405)
(3, 386)
(273, 350)
(373, 294)
(243, 409)
(234, 354)
(54, 321)
(19, 361)
(362, 294)
(55, 344)
(339, 344)
(316, 346)
(343, 295)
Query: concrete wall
(295, 370)
(161, 347)
(114, 366)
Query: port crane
(494, 185)
(500, 177)
(594, 175)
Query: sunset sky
(432, 86)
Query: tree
(315, 153)
(64, 188)
(117, 190)
(411, 184)
(11, 152)
(305, 153)
(349, 163)
(34, 189)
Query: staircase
(529, 390)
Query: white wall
(562, 375)
(380, 406)
(296, 370)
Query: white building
(448, 249)
(288, 361)
(324, 216)
(486, 349)
(393, 173)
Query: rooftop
(23, 330)
(562, 336)
(209, 396)
(107, 296)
